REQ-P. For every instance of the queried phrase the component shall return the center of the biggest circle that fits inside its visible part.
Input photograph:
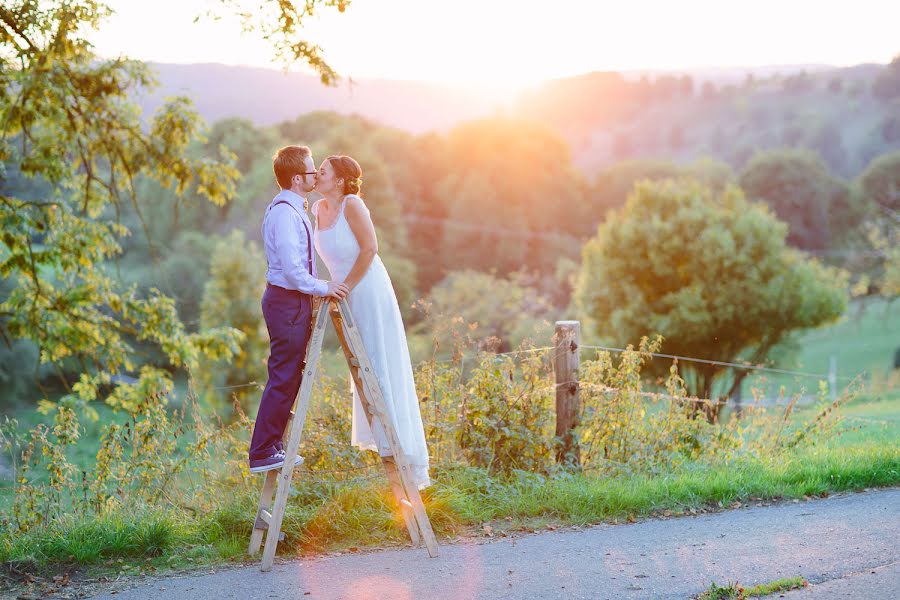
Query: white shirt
(288, 251)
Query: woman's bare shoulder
(356, 204)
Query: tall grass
(464, 498)
(166, 486)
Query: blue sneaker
(273, 461)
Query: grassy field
(863, 343)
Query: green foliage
(472, 308)
(183, 273)
(612, 185)
(152, 458)
(878, 262)
(279, 22)
(797, 186)
(231, 298)
(880, 182)
(502, 174)
(709, 272)
(734, 591)
(241, 137)
(67, 121)
(177, 484)
(505, 420)
(624, 428)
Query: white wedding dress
(377, 314)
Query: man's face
(309, 181)
(325, 179)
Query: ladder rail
(269, 516)
(370, 393)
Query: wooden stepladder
(399, 471)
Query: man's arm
(293, 251)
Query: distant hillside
(726, 113)
(268, 96)
(608, 117)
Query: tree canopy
(81, 155)
(797, 186)
(708, 271)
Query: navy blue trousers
(287, 314)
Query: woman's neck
(333, 199)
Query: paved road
(880, 583)
(835, 543)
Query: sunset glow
(505, 43)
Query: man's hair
(289, 161)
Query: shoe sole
(297, 462)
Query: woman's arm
(362, 227)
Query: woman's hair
(349, 170)
(287, 162)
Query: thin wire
(240, 385)
(461, 225)
(542, 348)
(492, 354)
(722, 363)
(572, 238)
(657, 395)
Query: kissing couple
(344, 237)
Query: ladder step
(263, 518)
(353, 362)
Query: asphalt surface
(847, 546)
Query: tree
(504, 174)
(708, 271)
(67, 121)
(248, 143)
(68, 124)
(880, 182)
(890, 125)
(231, 299)
(798, 187)
(280, 23)
(611, 186)
(879, 185)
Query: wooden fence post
(568, 408)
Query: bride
(344, 237)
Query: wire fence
(740, 366)
(369, 472)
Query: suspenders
(306, 227)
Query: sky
(516, 44)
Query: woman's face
(325, 180)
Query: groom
(287, 302)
